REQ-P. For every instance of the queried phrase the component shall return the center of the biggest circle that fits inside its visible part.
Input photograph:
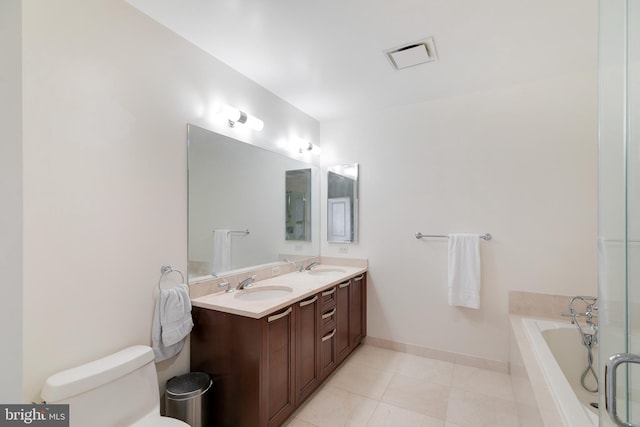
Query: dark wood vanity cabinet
(307, 347)
(263, 369)
(351, 315)
(278, 393)
(328, 348)
(358, 310)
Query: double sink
(269, 295)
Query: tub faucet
(246, 283)
(310, 266)
(590, 312)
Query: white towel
(221, 251)
(464, 270)
(171, 322)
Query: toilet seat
(158, 421)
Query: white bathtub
(553, 358)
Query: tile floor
(377, 387)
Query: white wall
(11, 196)
(517, 162)
(107, 96)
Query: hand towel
(172, 322)
(464, 270)
(221, 251)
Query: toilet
(118, 390)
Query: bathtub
(551, 357)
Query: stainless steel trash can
(187, 398)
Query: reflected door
(339, 219)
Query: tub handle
(610, 384)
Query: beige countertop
(302, 284)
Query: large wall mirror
(342, 203)
(248, 206)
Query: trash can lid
(188, 385)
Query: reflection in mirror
(236, 206)
(342, 203)
(297, 201)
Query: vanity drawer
(328, 298)
(328, 318)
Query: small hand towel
(464, 270)
(221, 251)
(172, 322)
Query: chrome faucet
(310, 266)
(226, 284)
(300, 267)
(591, 311)
(246, 283)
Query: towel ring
(165, 270)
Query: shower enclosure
(619, 211)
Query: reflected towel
(172, 322)
(464, 270)
(221, 251)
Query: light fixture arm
(309, 147)
(242, 119)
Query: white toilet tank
(118, 390)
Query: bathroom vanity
(267, 355)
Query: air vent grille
(411, 54)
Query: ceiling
(327, 57)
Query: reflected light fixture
(238, 116)
(301, 145)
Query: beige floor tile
(376, 358)
(471, 409)
(361, 379)
(417, 395)
(332, 407)
(296, 422)
(483, 381)
(379, 387)
(436, 371)
(392, 416)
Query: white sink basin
(263, 293)
(327, 271)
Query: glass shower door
(619, 212)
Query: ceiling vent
(411, 54)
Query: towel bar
(166, 269)
(419, 235)
(245, 232)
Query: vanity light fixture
(238, 116)
(302, 145)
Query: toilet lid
(159, 421)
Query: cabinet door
(343, 308)
(357, 314)
(307, 346)
(278, 393)
(328, 353)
